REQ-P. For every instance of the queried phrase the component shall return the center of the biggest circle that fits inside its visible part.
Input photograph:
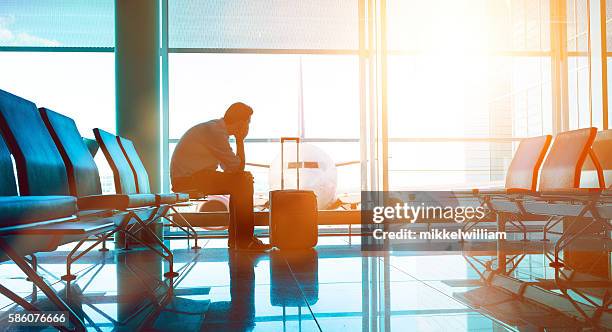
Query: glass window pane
(52, 23)
(578, 93)
(469, 96)
(79, 85)
(577, 26)
(469, 25)
(608, 24)
(202, 86)
(444, 165)
(269, 24)
(331, 96)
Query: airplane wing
(258, 165)
(346, 163)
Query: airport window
(465, 88)
(202, 86)
(300, 81)
(314, 94)
(59, 54)
(80, 85)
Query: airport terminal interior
(407, 165)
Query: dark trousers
(239, 185)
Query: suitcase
(293, 213)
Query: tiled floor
(331, 288)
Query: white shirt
(204, 147)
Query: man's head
(237, 119)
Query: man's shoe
(255, 245)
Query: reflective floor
(334, 287)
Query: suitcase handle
(297, 141)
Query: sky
(68, 23)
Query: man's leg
(242, 223)
(239, 185)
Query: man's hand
(239, 138)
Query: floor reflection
(333, 288)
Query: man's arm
(240, 151)
(221, 149)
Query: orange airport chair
(583, 171)
(563, 166)
(575, 173)
(560, 172)
(588, 201)
(522, 175)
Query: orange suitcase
(293, 213)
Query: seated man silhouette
(199, 153)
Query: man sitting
(199, 153)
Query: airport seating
(85, 181)
(521, 177)
(41, 171)
(573, 179)
(560, 172)
(587, 206)
(32, 224)
(142, 185)
(127, 180)
(559, 193)
(554, 200)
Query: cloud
(9, 37)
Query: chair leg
(34, 263)
(193, 231)
(550, 224)
(168, 257)
(72, 258)
(104, 248)
(46, 289)
(17, 299)
(69, 276)
(140, 223)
